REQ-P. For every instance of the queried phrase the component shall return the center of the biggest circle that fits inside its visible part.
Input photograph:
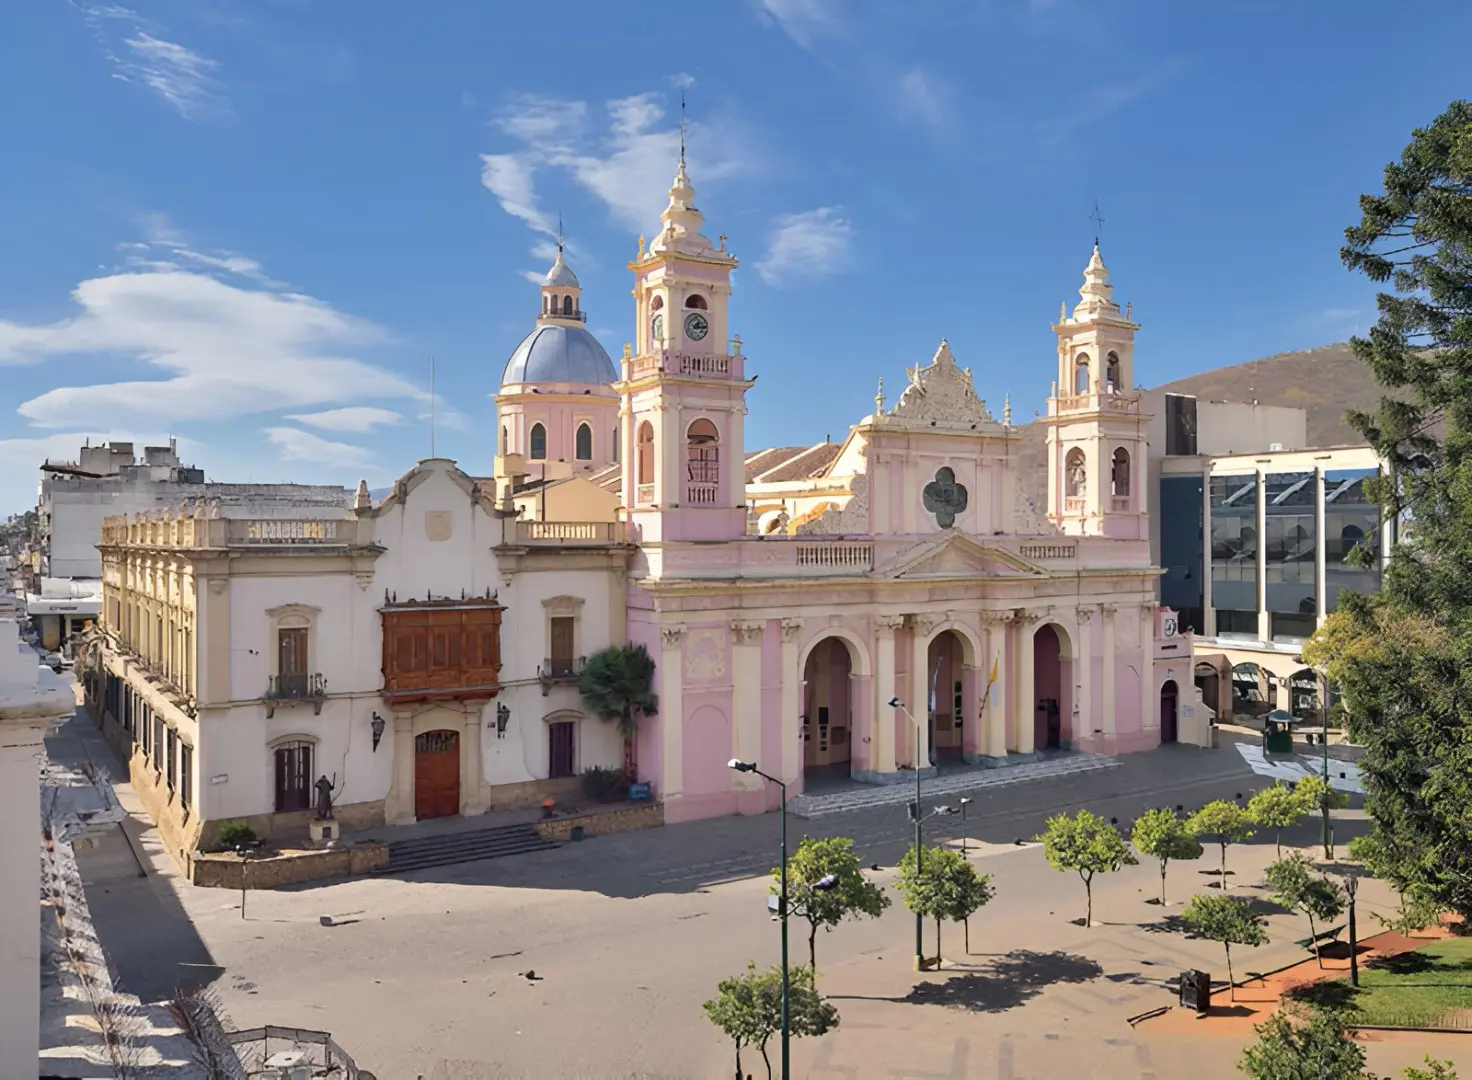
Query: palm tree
(617, 685)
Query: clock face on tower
(656, 328)
(696, 326)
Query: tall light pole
(896, 703)
(826, 882)
(966, 923)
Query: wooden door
(562, 645)
(291, 656)
(293, 777)
(436, 774)
(1168, 695)
(561, 750)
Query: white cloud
(1101, 102)
(510, 179)
(804, 20)
(812, 244)
(682, 81)
(21, 459)
(921, 97)
(352, 418)
(184, 78)
(297, 445)
(223, 348)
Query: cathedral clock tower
(1096, 427)
(683, 389)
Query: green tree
(1225, 822)
(617, 685)
(1087, 845)
(1399, 655)
(1415, 912)
(1318, 796)
(851, 894)
(749, 1009)
(1435, 1070)
(1304, 1044)
(948, 888)
(1160, 834)
(1227, 919)
(1294, 885)
(1278, 807)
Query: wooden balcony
(441, 650)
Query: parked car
(52, 660)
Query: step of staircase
(448, 849)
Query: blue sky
(251, 224)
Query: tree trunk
(739, 1074)
(1162, 883)
(1280, 842)
(630, 764)
(1313, 936)
(767, 1059)
(1231, 981)
(813, 950)
(1224, 865)
(937, 943)
(1088, 902)
(966, 929)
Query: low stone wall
(530, 793)
(224, 870)
(604, 822)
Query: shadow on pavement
(1005, 983)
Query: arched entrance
(1052, 688)
(827, 713)
(945, 694)
(1208, 681)
(1168, 695)
(436, 774)
(1253, 692)
(1303, 696)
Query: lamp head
(895, 703)
(741, 766)
(965, 801)
(826, 882)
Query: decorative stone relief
(850, 519)
(790, 629)
(924, 625)
(217, 585)
(745, 633)
(705, 655)
(671, 635)
(438, 524)
(563, 605)
(364, 578)
(945, 497)
(888, 623)
(940, 394)
(1085, 614)
(1028, 516)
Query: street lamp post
(965, 923)
(1328, 828)
(826, 882)
(896, 703)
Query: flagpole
(431, 406)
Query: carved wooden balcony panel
(441, 650)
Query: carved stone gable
(940, 395)
(960, 557)
(851, 519)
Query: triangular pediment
(954, 554)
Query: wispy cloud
(143, 56)
(624, 154)
(293, 444)
(813, 244)
(21, 457)
(1101, 102)
(922, 97)
(804, 21)
(351, 418)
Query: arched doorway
(1052, 689)
(1168, 695)
(1253, 693)
(945, 695)
(1303, 696)
(436, 774)
(827, 716)
(1208, 681)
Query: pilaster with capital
(746, 699)
(1149, 703)
(671, 711)
(1026, 718)
(1088, 715)
(883, 736)
(993, 703)
(792, 680)
(1110, 668)
(921, 627)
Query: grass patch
(1430, 987)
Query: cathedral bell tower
(683, 388)
(1096, 429)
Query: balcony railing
(144, 530)
(1043, 552)
(1117, 402)
(1075, 504)
(718, 366)
(292, 687)
(560, 669)
(839, 554)
(700, 494)
(571, 532)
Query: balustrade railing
(700, 494)
(589, 532)
(849, 555)
(1048, 551)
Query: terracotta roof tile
(759, 461)
(800, 466)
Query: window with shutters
(186, 776)
(561, 662)
(437, 650)
(293, 776)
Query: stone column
(1088, 717)
(746, 707)
(1149, 703)
(882, 748)
(1027, 703)
(973, 684)
(792, 680)
(1208, 613)
(1110, 671)
(671, 713)
(472, 764)
(921, 627)
(999, 652)
(1321, 554)
(398, 805)
(1264, 617)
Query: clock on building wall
(656, 328)
(696, 326)
(1168, 626)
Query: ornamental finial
(1007, 410)
(879, 397)
(641, 245)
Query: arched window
(583, 445)
(1081, 373)
(505, 439)
(567, 305)
(657, 303)
(703, 462)
(552, 305)
(538, 442)
(1075, 474)
(1119, 476)
(644, 462)
(695, 301)
(1111, 374)
(614, 444)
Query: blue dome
(560, 354)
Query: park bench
(1331, 934)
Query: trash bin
(1196, 991)
(577, 832)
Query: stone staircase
(448, 849)
(863, 796)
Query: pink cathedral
(787, 607)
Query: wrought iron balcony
(293, 687)
(560, 670)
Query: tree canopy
(1087, 845)
(946, 888)
(1160, 834)
(1278, 807)
(1304, 1044)
(618, 685)
(1399, 655)
(1225, 822)
(748, 1008)
(850, 894)
(1227, 919)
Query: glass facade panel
(1290, 541)
(1181, 543)
(1234, 553)
(1351, 519)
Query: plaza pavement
(426, 975)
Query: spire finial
(1007, 410)
(879, 397)
(682, 127)
(559, 232)
(1098, 220)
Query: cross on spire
(682, 126)
(1098, 220)
(559, 232)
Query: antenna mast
(682, 125)
(431, 406)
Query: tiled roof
(809, 462)
(609, 479)
(759, 461)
